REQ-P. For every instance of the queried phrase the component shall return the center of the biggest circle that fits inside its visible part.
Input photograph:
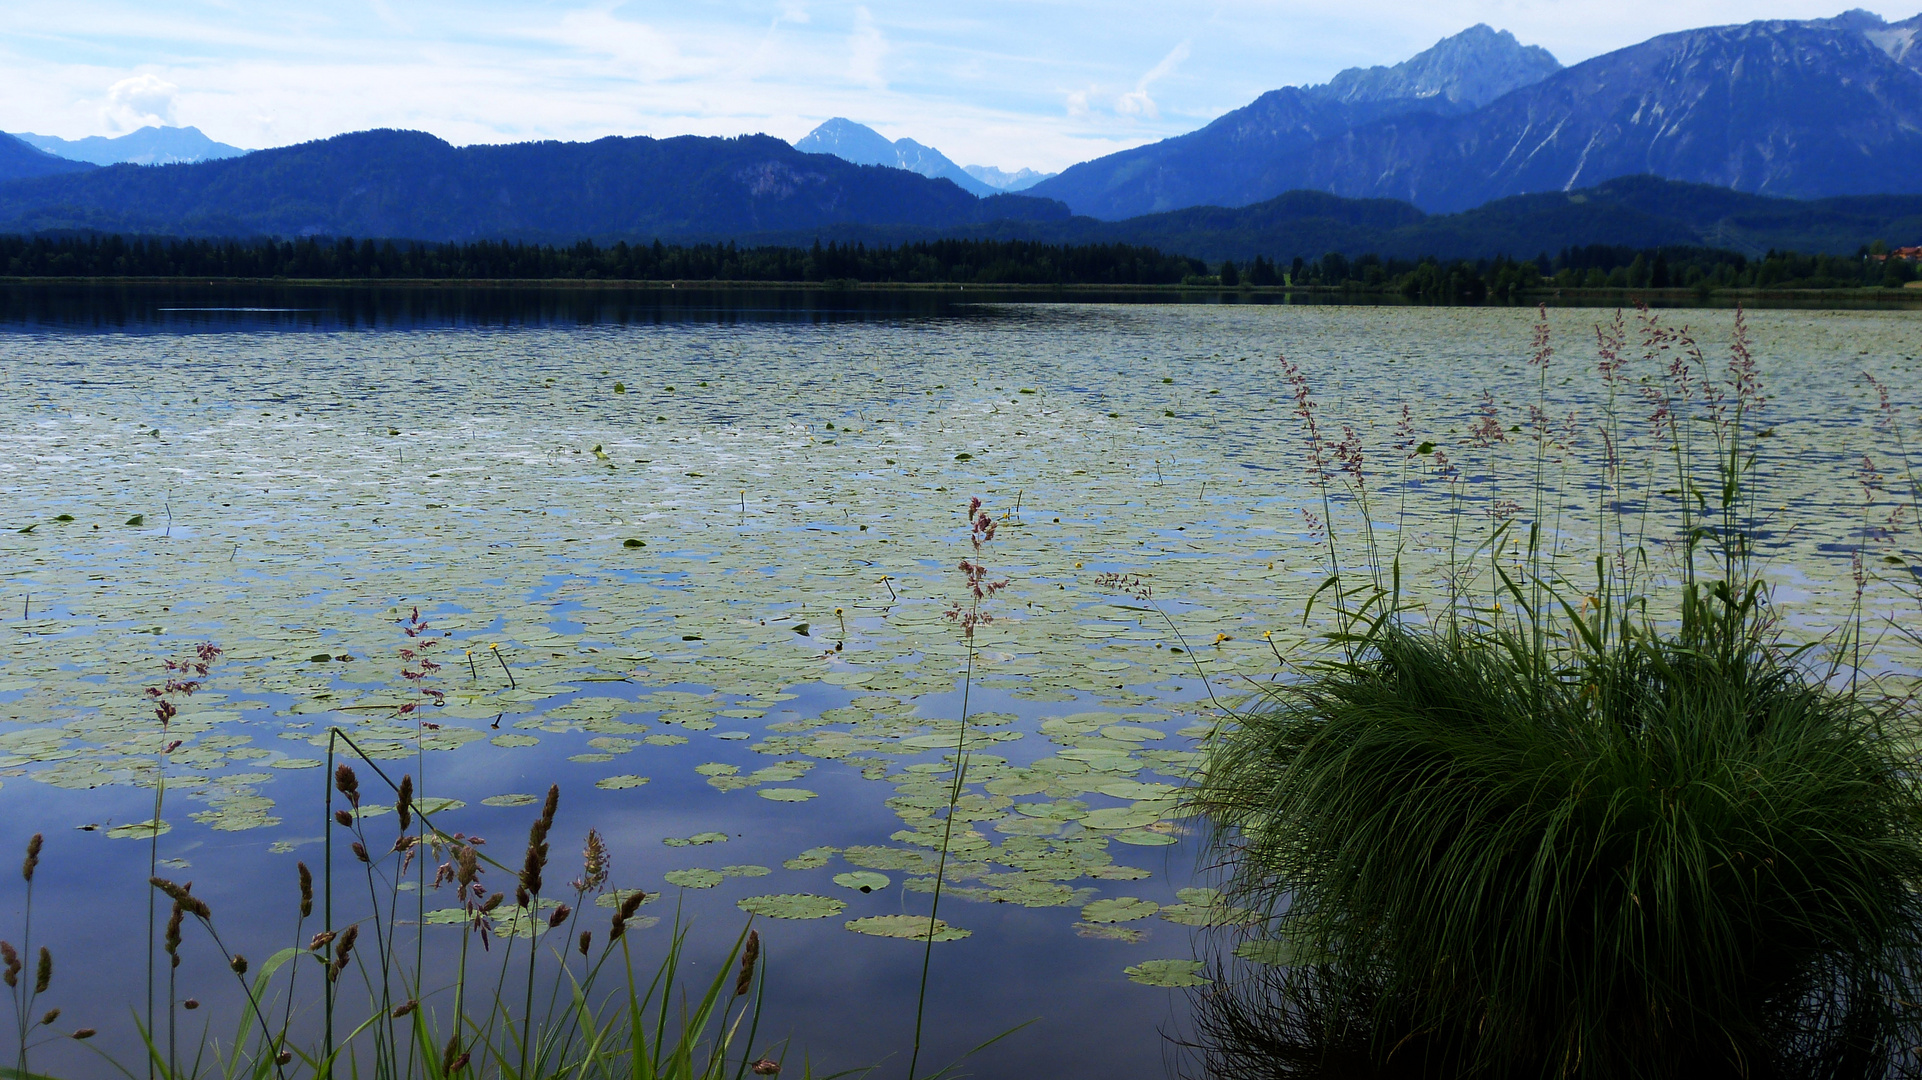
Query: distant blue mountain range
(1479, 145)
(863, 145)
(148, 146)
(1805, 109)
(410, 185)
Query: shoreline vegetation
(1596, 273)
(1582, 807)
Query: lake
(693, 558)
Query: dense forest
(986, 262)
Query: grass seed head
(745, 980)
(306, 890)
(11, 973)
(33, 858)
(594, 863)
(43, 971)
(404, 804)
(172, 940)
(348, 784)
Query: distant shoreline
(1578, 297)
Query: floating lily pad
(515, 740)
(862, 880)
(1144, 838)
(792, 906)
(1170, 973)
(1108, 932)
(140, 830)
(1119, 909)
(811, 858)
(693, 879)
(695, 840)
(620, 783)
(911, 927)
(1122, 817)
(509, 800)
(778, 794)
(745, 870)
(614, 898)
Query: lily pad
(694, 879)
(1122, 817)
(620, 783)
(1108, 932)
(862, 880)
(910, 927)
(1144, 838)
(1170, 973)
(811, 858)
(614, 898)
(695, 840)
(516, 799)
(792, 906)
(1119, 909)
(140, 830)
(785, 794)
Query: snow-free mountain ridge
(148, 146)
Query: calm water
(772, 663)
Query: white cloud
(867, 47)
(1136, 102)
(139, 101)
(1011, 82)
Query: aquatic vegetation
(1574, 825)
(757, 522)
(603, 1016)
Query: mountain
(1804, 109)
(148, 146)
(1631, 211)
(413, 186)
(863, 145)
(19, 161)
(1459, 73)
(1005, 181)
(1257, 151)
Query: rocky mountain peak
(1469, 69)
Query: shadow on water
(1253, 1021)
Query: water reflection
(190, 306)
(1260, 1022)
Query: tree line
(950, 261)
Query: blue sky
(1041, 84)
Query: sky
(1039, 84)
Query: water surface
(714, 545)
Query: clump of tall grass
(1545, 826)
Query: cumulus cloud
(1136, 102)
(138, 102)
